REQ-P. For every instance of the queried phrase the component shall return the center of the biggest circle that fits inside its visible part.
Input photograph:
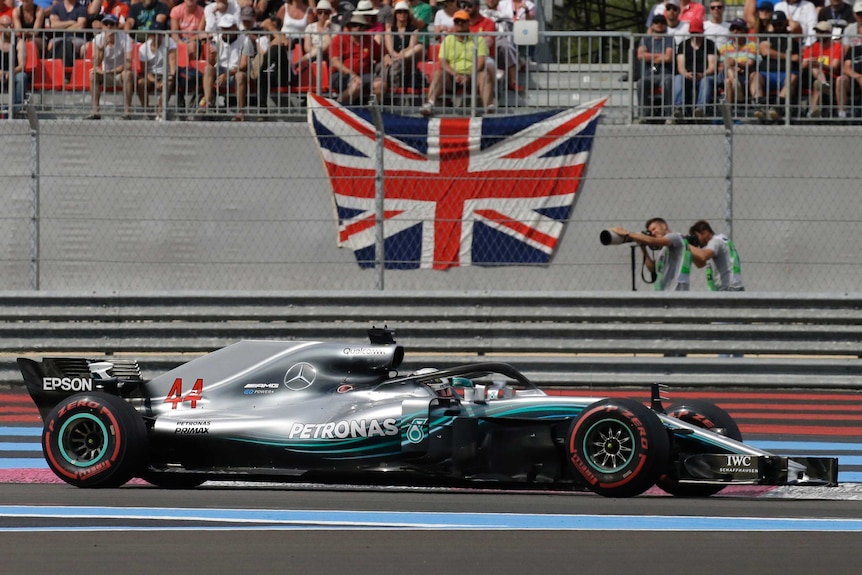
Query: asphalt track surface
(252, 528)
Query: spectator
(850, 83)
(116, 7)
(505, 52)
(758, 15)
(318, 35)
(66, 17)
(457, 65)
(143, 16)
(737, 60)
(403, 50)
(423, 18)
(676, 28)
(354, 55)
(444, 20)
(29, 16)
(20, 78)
(672, 266)
(213, 12)
(716, 29)
(838, 13)
(717, 253)
(277, 68)
(267, 10)
(112, 65)
(228, 65)
(158, 73)
(773, 71)
(821, 65)
(695, 73)
(688, 11)
(187, 20)
(801, 18)
(655, 57)
(295, 16)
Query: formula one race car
(327, 412)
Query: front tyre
(618, 446)
(94, 440)
(709, 416)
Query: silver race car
(341, 412)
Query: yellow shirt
(459, 54)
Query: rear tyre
(709, 416)
(94, 440)
(618, 446)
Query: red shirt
(358, 53)
(826, 58)
(485, 25)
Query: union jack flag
(457, 191)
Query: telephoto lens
(609, 238)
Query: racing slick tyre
(94, 440)
(618, 446)
(708, 416)
(170, 480)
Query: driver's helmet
(440, 385)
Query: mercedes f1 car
(328, 412)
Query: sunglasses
(461, 21)
(672, 7)
(327, 12)
(719, 7)
(402, 11)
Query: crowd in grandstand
(792, 55)
(775, 57)
(200, 50)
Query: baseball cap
(738, 24)
(247, 13)
(226, 21)
(779, 17)
(765, 5)
(857, 7)
(672, 2)
(110, 18)
(461, 15)
(696, 26)
(659, 19)
(155, 26)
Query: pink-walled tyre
(618, 447)
(94, 440)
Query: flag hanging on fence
(458, 191)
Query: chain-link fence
(186, 206)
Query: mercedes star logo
(300, 376)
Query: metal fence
(574, 67)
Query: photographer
(718, 254)
(672, 265)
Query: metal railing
(578, 339)
(583, 66)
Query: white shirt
(155, 57)
(211, 16)
(114, 54)
(718, 33)
(229, 55)
(805, 14)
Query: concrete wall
(188, 206)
